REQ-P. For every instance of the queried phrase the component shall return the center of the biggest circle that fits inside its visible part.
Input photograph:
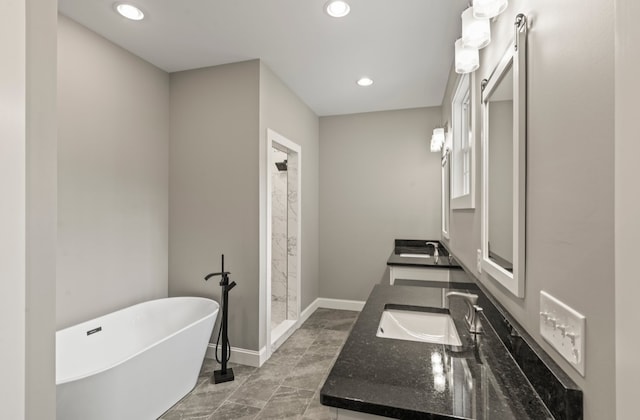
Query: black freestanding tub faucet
(224, 374)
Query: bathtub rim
(120, 362)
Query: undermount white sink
(416, 255)
(427, 327)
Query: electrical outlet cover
(564, 328)
(479, 261)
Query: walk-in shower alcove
(283, 266)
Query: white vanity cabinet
(405, 272)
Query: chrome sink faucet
(473, 310)
(435, 248)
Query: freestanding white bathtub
(134, 363)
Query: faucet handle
(475, 326)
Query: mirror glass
(504, 144)
(500, 189)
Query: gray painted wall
(213, 189)
(378, 182)
(219, 119)
(41, 209)
(13, 88)
(570, 207)
(113, 114)
(627, 224)
(282, 111)
(27, 211)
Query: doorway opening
(283, 238)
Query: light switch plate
(564, 328)
(479, 260)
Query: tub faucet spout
(208, 276)
(224, 281)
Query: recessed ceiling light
(130, 11)
(364, 81)
(337, 8)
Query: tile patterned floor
(287, 386)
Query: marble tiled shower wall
(292, 240)
(279, 240)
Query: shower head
(282, 166)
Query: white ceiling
(405, 46)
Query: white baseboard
(306, 313)
(346, 305)
(288, 328)
(257, 358)
(240, 356)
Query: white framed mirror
(504, 143)
(446, 190)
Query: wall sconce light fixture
(489, 8)
(467, 58)
(476, 32)
(437, 139)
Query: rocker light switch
(563, 328)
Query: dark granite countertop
(405, 379)
(412, 246)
